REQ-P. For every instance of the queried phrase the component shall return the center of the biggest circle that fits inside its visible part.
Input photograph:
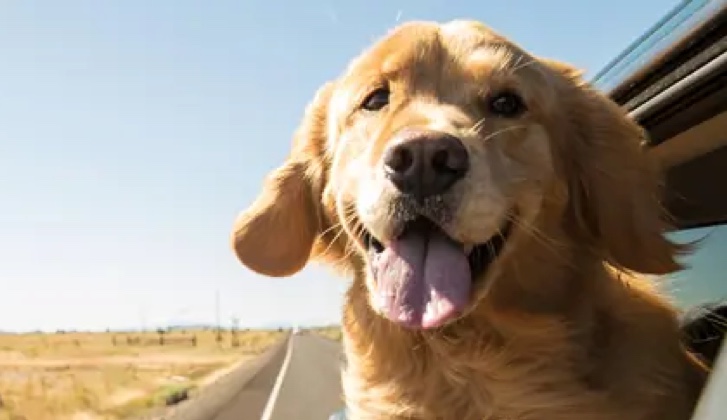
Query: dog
(503, 229)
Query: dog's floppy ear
(614, 186)
(275, 235)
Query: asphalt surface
(298, 379)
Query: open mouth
(423, 278)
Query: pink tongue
(422, 279)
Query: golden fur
(557, 329)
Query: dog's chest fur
(394, 375)
(432, 385)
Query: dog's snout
(425, 164)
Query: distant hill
(325, 329)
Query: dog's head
(426, 160)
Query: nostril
(452, 160)
(440, 161)
(399, 159)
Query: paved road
(298, 378)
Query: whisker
(548, 242)
(502, 131)
(476, 127)
(349, 218)
(475, 130)
(331, 228)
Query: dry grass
(85, 376)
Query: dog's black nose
(425, 163)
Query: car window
(660, 37)
(705, 279)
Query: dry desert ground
(117, 375)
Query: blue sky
(133, 132)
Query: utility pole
(218, 337)
(235, 328)
(142, 317)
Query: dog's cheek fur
(613, 186)
(287, 224)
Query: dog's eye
(506, 104)
(376, 100)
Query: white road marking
(270, 405)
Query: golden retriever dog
(499, 220)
